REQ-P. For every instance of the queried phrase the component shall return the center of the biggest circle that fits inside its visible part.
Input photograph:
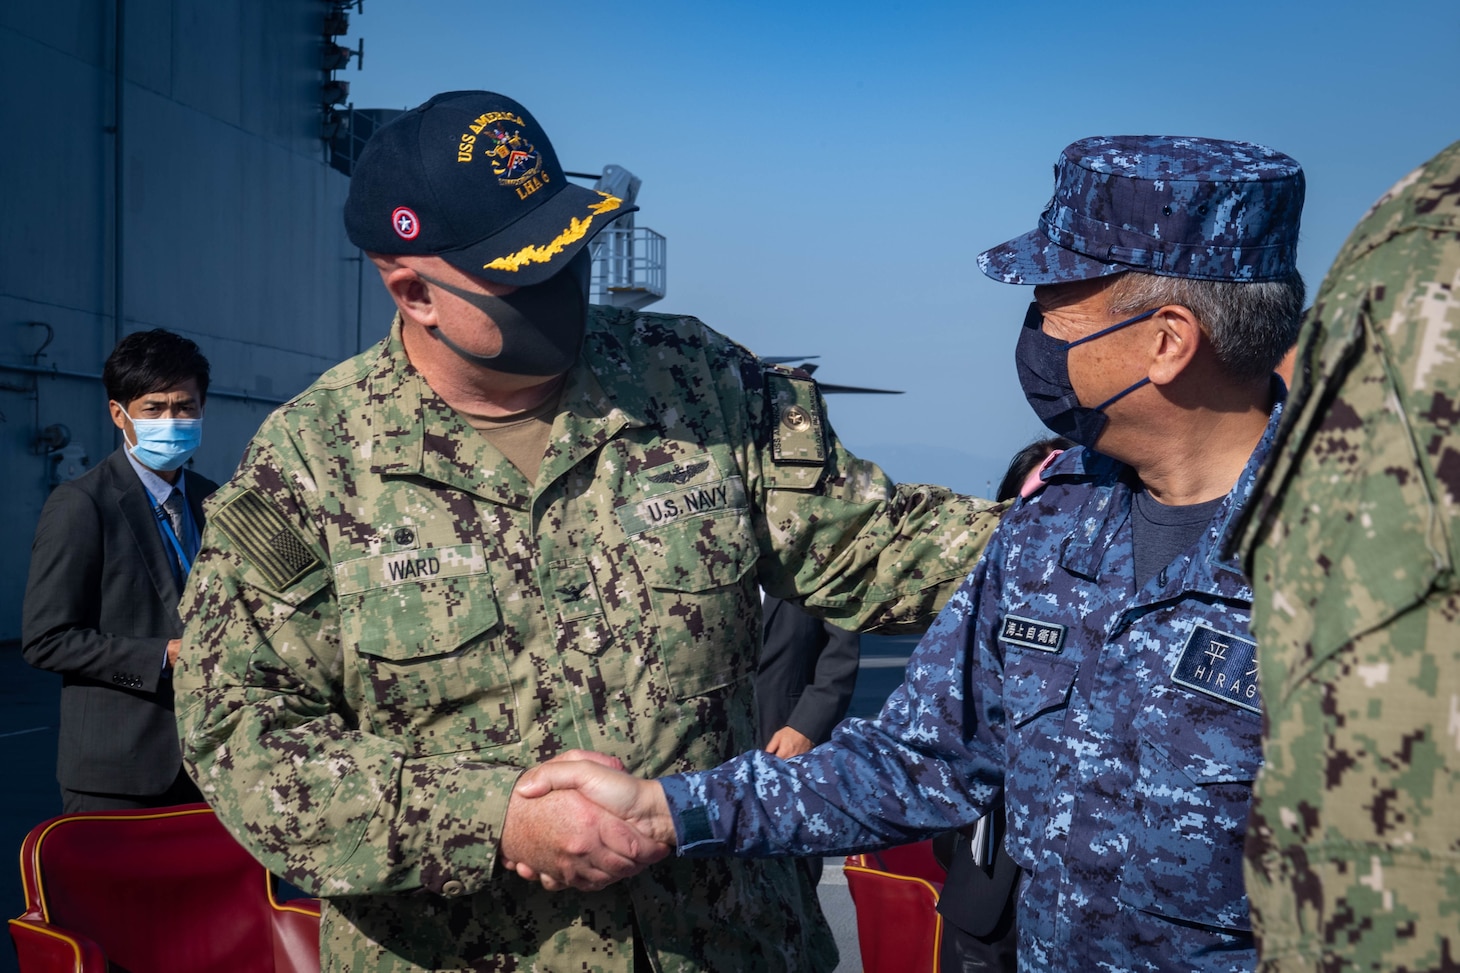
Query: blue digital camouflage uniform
(1122, 724)
(389, 623)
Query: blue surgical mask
(166, 444)
(1044, 374)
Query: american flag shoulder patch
(266, 539)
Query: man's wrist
(659, 822)
(688, 817)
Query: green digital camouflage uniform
(389, 623)
(1353, 847)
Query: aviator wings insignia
(680, 474)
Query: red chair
(154, 891)
(895, 892)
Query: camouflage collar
(416, 433)
(1107, 508)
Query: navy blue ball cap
(1206, 209)
(471, 177)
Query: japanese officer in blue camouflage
(1096, 672)
(517, 526)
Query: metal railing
(628, 267)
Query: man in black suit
(804, 681)
(111, 553)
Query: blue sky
(825, 173)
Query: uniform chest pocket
(425, 649)
(1036, 683)
(1037, 688)
(1192, 790)
(694, 565)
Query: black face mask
(1044, 374)
(541, 325)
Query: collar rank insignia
(1031, 633)
(680, 474)
(1222, 665)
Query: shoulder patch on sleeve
(798, 438)
(266, 539)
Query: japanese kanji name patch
(1031, 633)
(1220, 664)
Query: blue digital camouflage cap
(1202, 208)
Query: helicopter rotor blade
(828, 389)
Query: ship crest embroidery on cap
(494, 144)
(514, 159)
(516, 162)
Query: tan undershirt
(521, 437)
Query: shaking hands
(578, 821)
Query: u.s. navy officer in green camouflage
(519, 526)
(1353, 847)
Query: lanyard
(182, 559)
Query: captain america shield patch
(405, 223)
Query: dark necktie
(176, 515)
(174, 507)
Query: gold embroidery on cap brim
(575, 231)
